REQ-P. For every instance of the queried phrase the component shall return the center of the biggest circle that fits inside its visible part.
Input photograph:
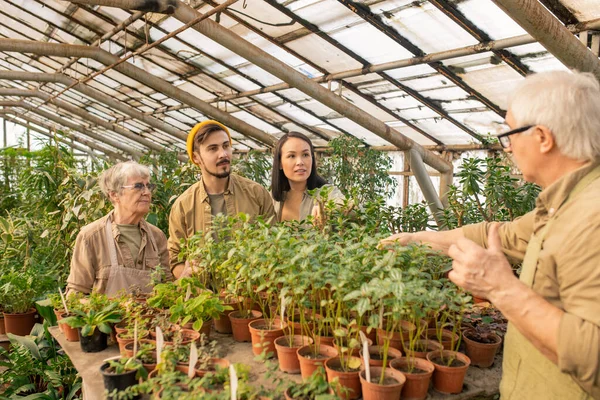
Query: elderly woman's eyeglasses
(504, 139)
(139, 186)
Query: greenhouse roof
(410, 69)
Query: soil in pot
(94, 343)
(287, 352)
(481, 348)
(376, 355)
(313, 357)
(349, 380)
(119, 382)
(390, 389)
(449, 339)
(20, 324)
(418, 374)
(264, 334)
(239, 324)
(450, 370)
(422, 347)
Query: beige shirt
(90, 265)
(308, 202)
(568, 272)
(191, 212)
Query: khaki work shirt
(308, 202)
(90, 265)
(568, 272)
(191, 212)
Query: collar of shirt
(115, 229)
(551, 198)
(228, 190)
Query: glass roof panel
(491, 19)
(323, 54)
(360, 132)
(584, 10)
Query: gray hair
(568, 103)
(112, 179)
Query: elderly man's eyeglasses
(504, 139)
(139, 186)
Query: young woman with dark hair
(294, 174)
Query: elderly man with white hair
(552, 347)
(120, 251)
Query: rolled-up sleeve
(266, 205)
(83, 273)
(578, 275)
(514, 235)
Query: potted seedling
(17, 294)
(94, 326)
(120, 374)
(315, 387)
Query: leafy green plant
(19, 289)
(89, 321)
(357, 170)
(315, 387)
(126, 364)
(199, 308)
(34, 368)
(254, 165)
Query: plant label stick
(135, 338)
(159, 343)
(193, 360)
(233, 382)
(365, 343)
(62, 297)
(282, 311)
(188, 293)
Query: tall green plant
(357, 170)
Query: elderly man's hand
(481, 271)
(402, 238)
(189, 269)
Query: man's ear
(196, 158)
(545, 139)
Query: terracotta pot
(397, 337)
(71, 334)
(122, 342)
(370, 335)
(417, 384)
(223, 323)
(287, 352)
(214, 363)
(447, 379)
(263, 338)
(348, 380)
(448, 338)
(2, 328)
(20, 324)
(239, 325)
(429, 345)
(388, 391)
(58, 314)
(309, 363)
(377, 351)
(324, 340)
(120, 327)
(481, 354)
(205, 329)
(128, 349)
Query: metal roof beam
(78, 142)
(53, 117)
(104, 57)
(157, 6)
(552, 34)
(96, 95)
(85, 115)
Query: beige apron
(121, 278)
(526, 372)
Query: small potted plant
(315, 387)
(92, 339)
(120, 374)
(17, 294)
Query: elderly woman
(294, 174)
(119, 251)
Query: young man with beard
(218, 191)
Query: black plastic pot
(120, 382)
(98, 341)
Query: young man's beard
(221, 175)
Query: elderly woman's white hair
(568, 103)
(112, 179)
